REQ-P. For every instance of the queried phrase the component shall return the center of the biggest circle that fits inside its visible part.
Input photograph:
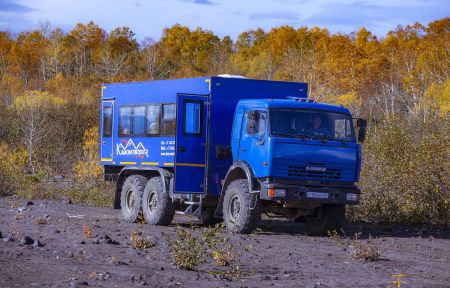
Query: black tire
(131, 197)
(326, 219)
(238, 214)
(157, 204)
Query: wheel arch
(239, 170)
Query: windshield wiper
(301, 136)
(322, 137)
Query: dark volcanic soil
(280, 255)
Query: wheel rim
(234, 208)
(152, 202)
(131, 201)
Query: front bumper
(303, 192)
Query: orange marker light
(271, 192)
(265, 163)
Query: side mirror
(361, 124)
(362, 134)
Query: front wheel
(241, 213)
(157, 204)
(325, 220)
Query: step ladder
(194, 206)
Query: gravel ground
(280, 255)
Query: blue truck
(229, 148)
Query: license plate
(319, 195)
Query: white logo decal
(316, 168)
(130, 149)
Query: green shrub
(93, 193)
(406, 173)
(11, 165)
(192, 247)
(188, 251)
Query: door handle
(243, 149)
(182, 149)
(103, 142)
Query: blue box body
(222, 95)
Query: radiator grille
(312, 172)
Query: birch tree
(34, 121)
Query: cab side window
(256, 123)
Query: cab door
(252, 145)
(190, 155)
(106, 135)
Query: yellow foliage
(11, 165)
(88, 166)
(11, 84)
(36, 100)
(439, 96)
(87, 231)
(349, 100)
(59, 85)
(88, 98)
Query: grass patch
(87, 231)
(41, 221)
(364, 250)
(141, 242)
(99, 193)
(193, 247)
(369, 250)
(187, 249)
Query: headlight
(352, 197)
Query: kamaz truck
(229, 148)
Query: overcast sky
(223, 17)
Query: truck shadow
(280, 227)
(364, 230)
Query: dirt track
(281, 255)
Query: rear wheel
(157, 204)
(131, 197)
(241, 213)
(326, 219)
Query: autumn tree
(6, 43)
(82, 48)
(88, 167)
(154, 60)
(189, 51)
(120, 53)
(34, 122)
(10, 86)
(26, 54)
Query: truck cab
(303, 158)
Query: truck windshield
(311, 124)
